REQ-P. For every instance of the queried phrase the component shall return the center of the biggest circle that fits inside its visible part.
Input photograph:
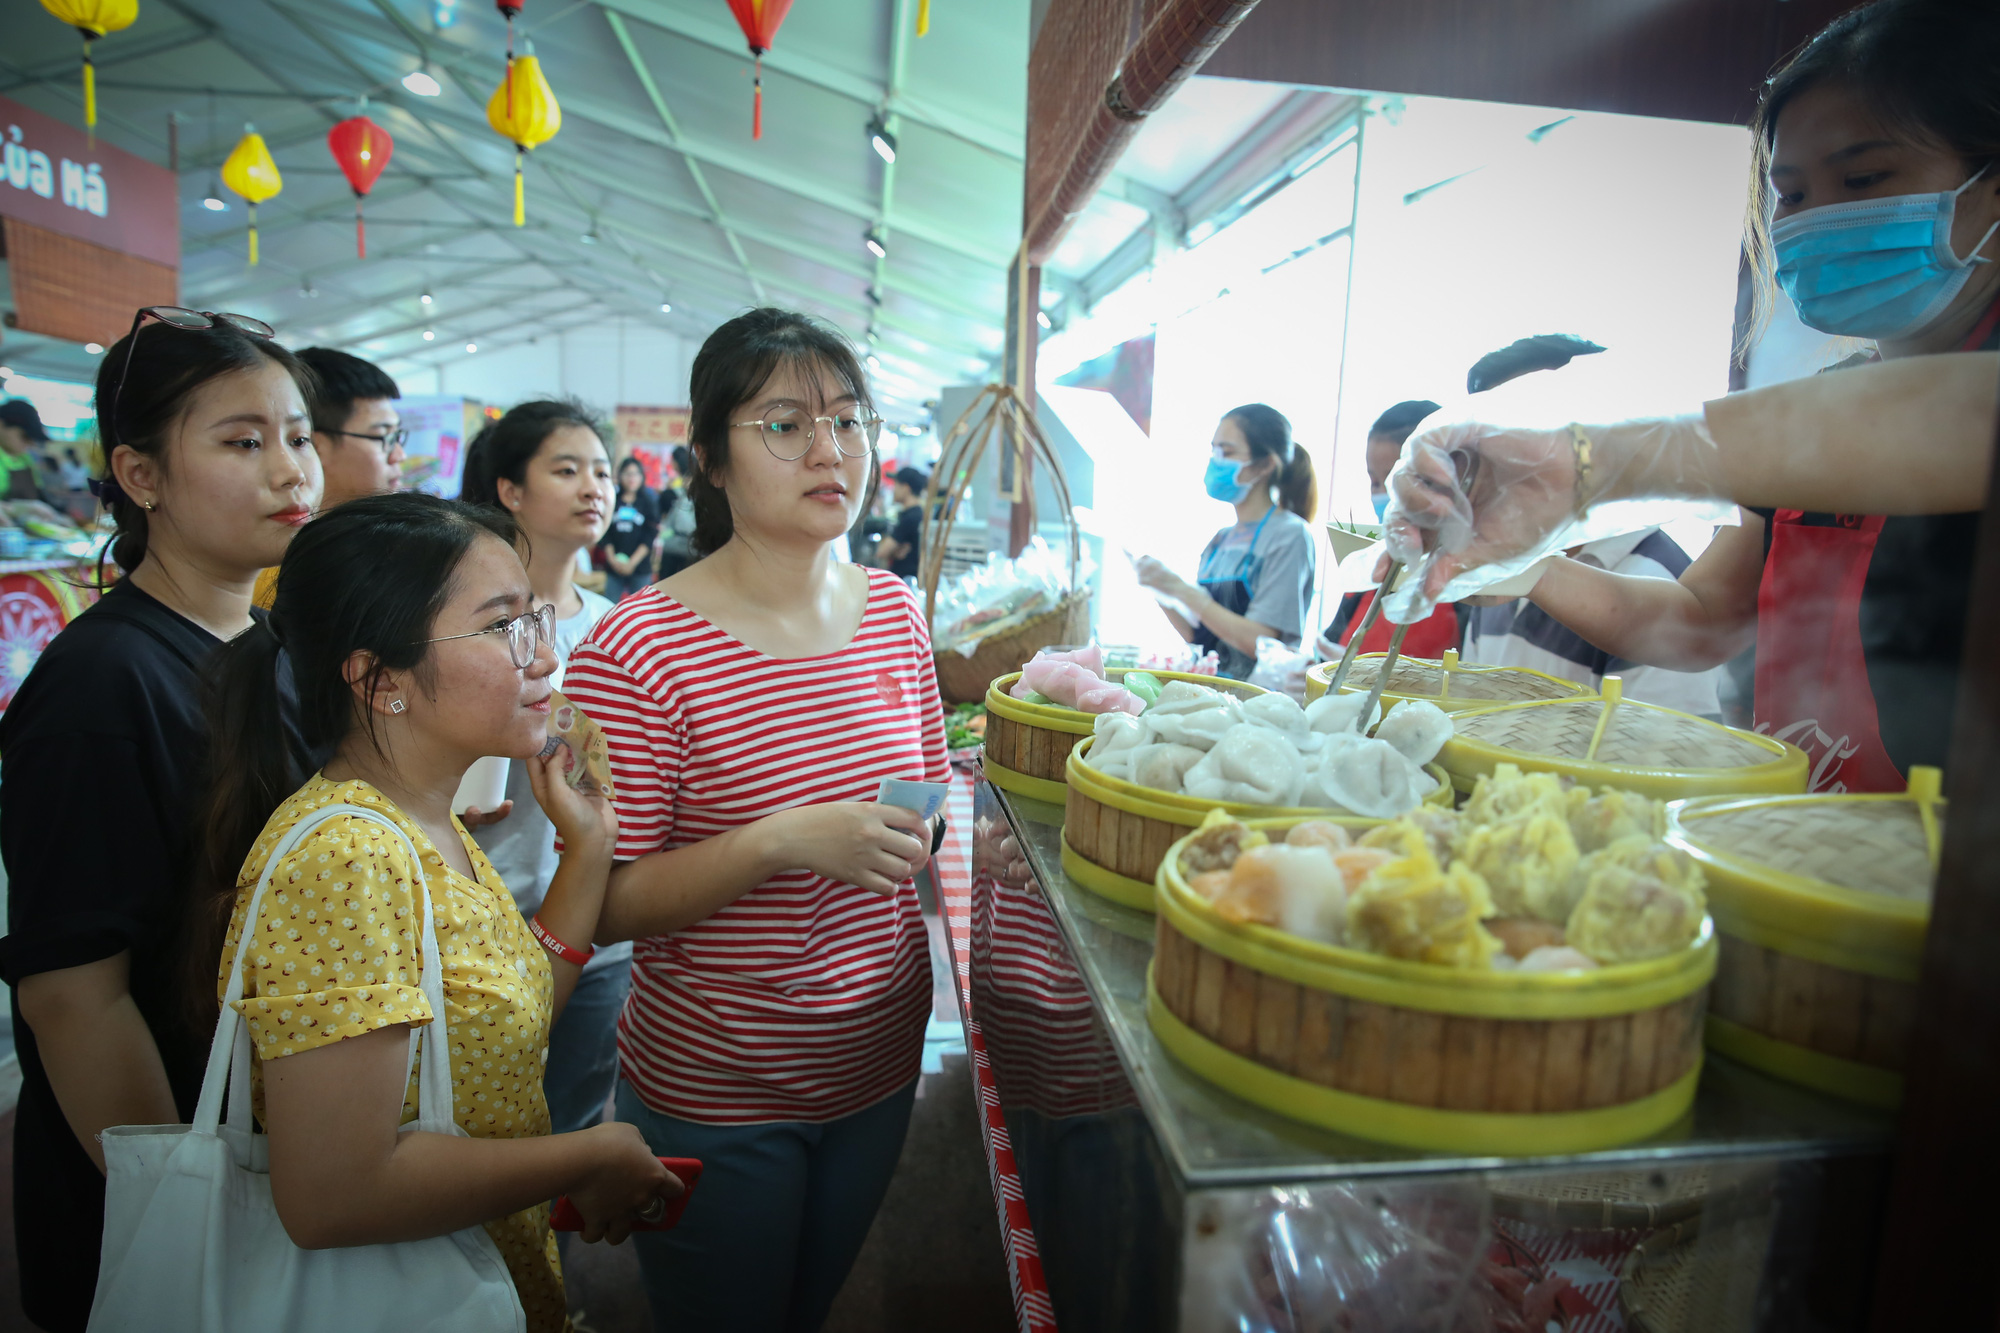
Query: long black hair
(504, 448)
(368, 577)
(1925, 68)
(732, 367)
(168, 364)
(1269, 435)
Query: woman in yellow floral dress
(414, 650)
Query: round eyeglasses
(522, 632)
(789, 432)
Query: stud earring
(150, 506)
(395, 705)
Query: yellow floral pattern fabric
(338, 953)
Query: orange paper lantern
(759, 20)
(360, 148)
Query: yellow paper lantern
(250, 172)
(523, 109)
(93, 18)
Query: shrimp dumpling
(1249, 764)
(1331, 714)
(1373, 778)
(1417, 728)
(1296, 889)
(1163, 764)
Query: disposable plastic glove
(1472, 504)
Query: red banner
(52, 177)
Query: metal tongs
(1354, 649)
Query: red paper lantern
(361, 148)
(759, 20)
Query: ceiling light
(874, 362)
(426, 297)
(873, 240)
(472, 347)
(420, 82)
(429, 334)
(666, 307)
(213, 200)
(590, 237)
(6, 371)
(873, 337)
(1042, 318)
(95, 349)
(882, 140)
(307, 290)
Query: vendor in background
(677, 523)
(1876, 201)
(628, 544)
(1440, 630)
(357, 434)
(1256, 576)
(898, 551)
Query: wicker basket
(1697, 1278)
(996, 411)
(1027, 745)
(1821, 903)
(1627, 1200)
(1611, 741)
(1115, 832)
(1420, 1055)
(1445, 683)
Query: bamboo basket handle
(1450, 664)
(1614, 692)
(1925, 786)
(1058, 479)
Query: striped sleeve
(937, 761)
(648, 746)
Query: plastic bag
(1000, 595)
(1281, 668)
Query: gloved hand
(1472, 504)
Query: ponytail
(1269, 435)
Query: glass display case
(1159, 1200)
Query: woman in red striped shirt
(754, 703)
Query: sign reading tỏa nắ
(52, 176)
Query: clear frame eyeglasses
(788, 432)
(522, 632)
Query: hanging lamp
(250, 172)
(93, 18)
(361, 149)
(524, 109)
(759, 20)
(923, 18)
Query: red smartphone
(565, 1217)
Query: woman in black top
(211, 473)
(628, 544)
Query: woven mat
(1873, 846)
(1638, 737)
(1646, 1197)
(1705, 1284)
(1422, 677)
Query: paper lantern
(524, 109)
(923, 18)
(759, 20)
(361, 148)
(250, 172)
(93, 18)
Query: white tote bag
(192, 1240)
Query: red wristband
(556, 946)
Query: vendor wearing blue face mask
(1875, 208)
(1256, 576)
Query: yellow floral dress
(338, 953)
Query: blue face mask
(1380, 499)
(1875, 268)
(1223, 480)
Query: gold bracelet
(1581, 444)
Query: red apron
(1812, 677)
(1429, 637)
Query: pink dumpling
(1090, 658)
(1020, 689)
(1110, 699)
(1064, 681)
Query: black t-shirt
(909, 527)
(103, 759)
(634, 523)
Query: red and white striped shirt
(804, 999)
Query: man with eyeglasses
(357, 434)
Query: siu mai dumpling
(1417, 728)
(1217, 843)
(1640, 899)
(1528, 862)
(1598, 821)
(1373, 778)
(1508, 792)
(1249, 764)
(1318, 833)
(1412, 908)
(1163, 765)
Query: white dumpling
(1373, 778)
(1163, 764)
(1313, 902)
(1282, 714)
(1191, 714)
(1418, 728)
(1251, 764)
(1331, 714)
(1117, 736)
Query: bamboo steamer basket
(1822, 903)
(1445, 682)
(1610, 741)
(1027, 745)
(1115, 833)
(1421, 1055)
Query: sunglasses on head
(181, 318)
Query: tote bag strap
(229, 1051)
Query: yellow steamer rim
(1458, 687)
(1146, 821)
(1818, 979)
(1582, 732)
(1424, 1056)
(1034, 740)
